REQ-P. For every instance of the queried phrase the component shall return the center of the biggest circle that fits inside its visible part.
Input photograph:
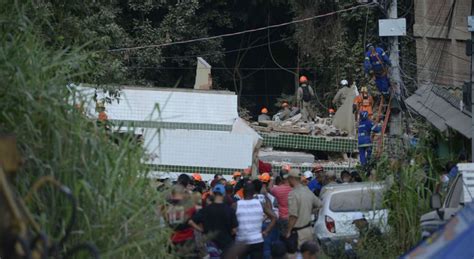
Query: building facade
(440, 32)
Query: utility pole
(395, 118)
(470, 26)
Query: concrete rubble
(320, 127)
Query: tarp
(453, 240)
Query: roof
(171, 105)
(440, 109)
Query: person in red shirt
(281, 192)
(178, 211)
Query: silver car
(334, 227)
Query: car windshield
(357, 200)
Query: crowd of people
(270, 216)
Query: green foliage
(101, 26)
(116, 205)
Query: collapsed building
(199, 130)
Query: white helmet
(344, 82)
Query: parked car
(340, 202)
(460, 192)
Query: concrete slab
(285, 156)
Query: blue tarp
(453, 240)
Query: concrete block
(284, 156)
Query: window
(360, 200)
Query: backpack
(306, 93)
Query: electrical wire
(221, 52)
(242, 32)
(273, 58)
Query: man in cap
(307, 177)
(218, 220)
(316, 184)
(281, 193)
(302, 204)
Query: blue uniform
(366, 127)
(314, 185)
(378, 63)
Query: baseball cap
(307, 174)
(219, 188)
(294, 173)
(357, 216)
(265, 177)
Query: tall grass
(116, 205)
(407, 200)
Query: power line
(223, 52)
(219, 68)
(242, 32)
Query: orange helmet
(197, 177)
(264, 110)
(303, 79)
(236, 174)
(265, 177)
(331, 110)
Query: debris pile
(319, 127)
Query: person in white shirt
(250, 216)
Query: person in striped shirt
(250, 215)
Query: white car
(340, 202)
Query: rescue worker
(235, 178)
(102, 119)
(377, 63)
(344, 118)
(304, 96)
(366, 127)
(284, 113)
(264, 115)
(331, 112)
(363, 102)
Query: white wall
(199, 148)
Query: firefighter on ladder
(376, 64)
(363, 102)
(365, 129)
